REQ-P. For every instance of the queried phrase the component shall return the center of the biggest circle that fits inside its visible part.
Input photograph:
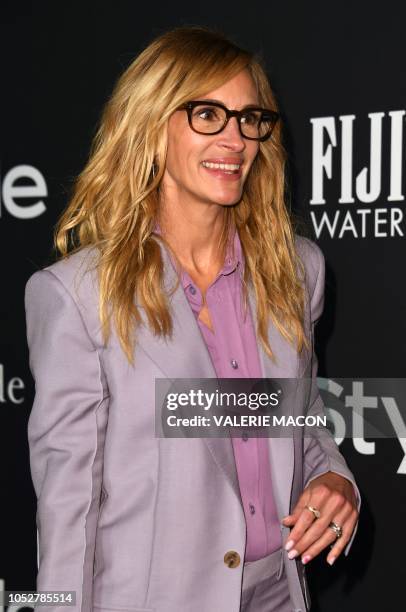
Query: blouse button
(192, 290)
(234, 364)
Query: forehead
(235, 93)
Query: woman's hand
(334, 497)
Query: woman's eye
(206, 114)
(250, 118)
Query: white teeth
(221, 166)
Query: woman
(179, 261)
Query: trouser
(265, 585)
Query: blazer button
(232, 559)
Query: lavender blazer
(132, 522)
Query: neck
(194, 234)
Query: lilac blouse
(234, 353)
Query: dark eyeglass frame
(266, 113)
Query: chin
(229, 203)
(227, 199)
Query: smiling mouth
(227, 168)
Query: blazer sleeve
(66, 431)
(321, 451)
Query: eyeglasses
(255, 123)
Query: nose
(231, 137)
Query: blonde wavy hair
(115, 200)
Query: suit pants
(265, 585)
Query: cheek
(253, 150)
(183, 153)
(251, 153)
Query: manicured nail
(292, 554)
(289, 544)
(331, 560)
(306, 559)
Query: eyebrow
(250, 105)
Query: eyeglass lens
(208, 119)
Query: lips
(228, 168)
(224, 174)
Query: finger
(344, 520)
(334, 506)
(291, 519)
(341, 543)
(303, 523)
(306, 518)
(328, 537)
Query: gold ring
(315, 512)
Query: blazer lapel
(172, 357)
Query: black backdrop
(337, 67)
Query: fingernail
(293, 553)
(331, 560)
(289, 544)
(305, 559)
